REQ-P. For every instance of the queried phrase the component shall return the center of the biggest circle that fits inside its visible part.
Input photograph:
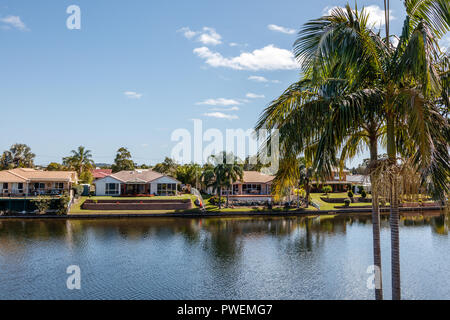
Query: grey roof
(137, 176)
(358, 178)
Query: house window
(39, 186)
(235, 189)
(251, 188)
(59, 185)
(20, 187)
(167, 189)
(5, 186)
(112, 189)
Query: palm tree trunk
(220, 198)
(395, 241)
(394, 218)
(376, 222)
(307, 193)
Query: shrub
(78, 190)
(350, 194)
(361, 189)
(327, 189)
(363, 194)
(62, 205)
(347, 202)
(215, 200)
(42, 204)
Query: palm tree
(306, 173)
(224, 171)
(80, 160)
(348, 67)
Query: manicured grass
(316, 198)
(76, 208)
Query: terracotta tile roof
(101, 173)
(256, 177)
(137, 176)
(6, 176)
(28, 175)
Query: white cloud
(233, 44)
(258, 79)
(267, 58)
(225, 109)
(208, 36)
(262, 79)
(444, 43)
(133, 95)
(14, 22)
(221, 115)
(376, 15)
(220, 102)
(254, 96)
(281, 29)
(188, 33)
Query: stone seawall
(123, 205)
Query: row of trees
(359, 90)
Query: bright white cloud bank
(267, 58)
(221, 115)
(281, 29)
(133, 95)
(376, 15)
(13, 22)
(220, 102)
(208, 36)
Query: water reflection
(206, 258)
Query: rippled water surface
(238, 258)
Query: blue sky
(137, 70)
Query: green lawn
(76, 208)
(316, 198)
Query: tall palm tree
(224, 171)
(80, 160)
(347, 67)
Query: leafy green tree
(86, 177)
(54, 166)
(167, 167)
(123, 161)
(189, 174)
(18, 156)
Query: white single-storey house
(136, 182)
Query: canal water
(228, 258)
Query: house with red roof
(101, 173)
